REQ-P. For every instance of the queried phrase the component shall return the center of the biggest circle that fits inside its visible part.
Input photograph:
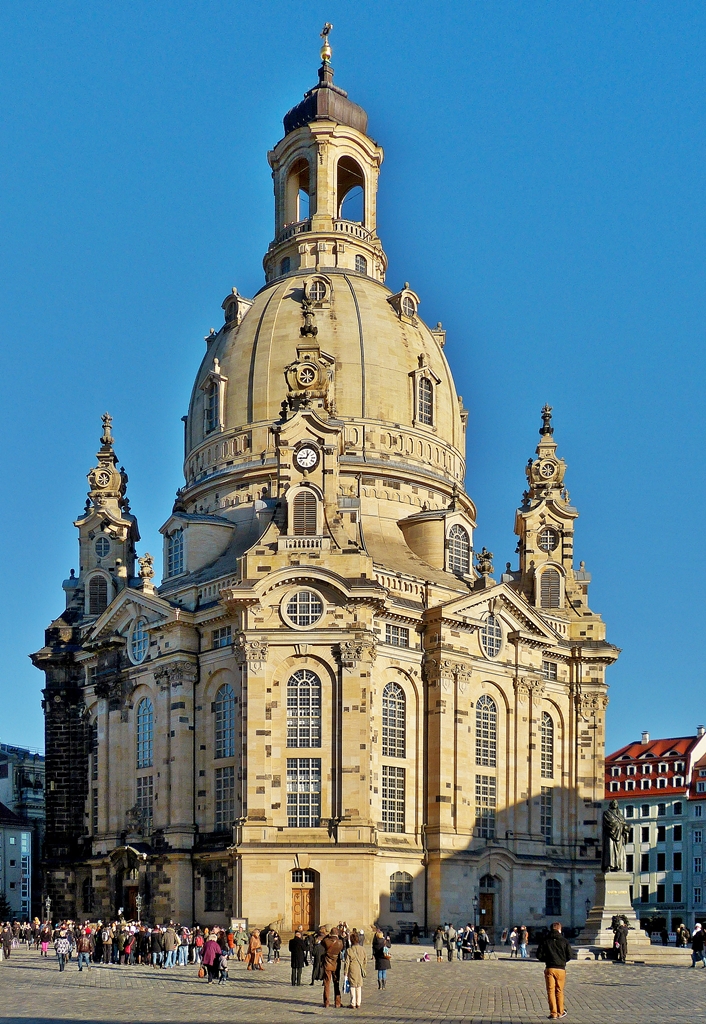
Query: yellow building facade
(326, 711)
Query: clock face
(547, 469)
(306, 457)
(103, 478)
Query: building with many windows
(656, 784)
(16, 863)
(22, 792)
(326, 710)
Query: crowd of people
(469, 943)
(337, 956)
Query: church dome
(378, 363)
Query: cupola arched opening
(350, 190)
(298, 205)
(459, 550)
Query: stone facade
(326, 711)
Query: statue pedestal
(612, 897)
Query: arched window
(394, 721)
(459, 550)
(317, 291)
(350, 190)
(224, 710)
(304, 514)
(211, 408)
(491, 636)
(304, 709)
(361, 264)
(547, 753)
(401, 893)
(552, 890)
(486, 731)
(550, 589)
(285, 265)
(145, 733)
(425, 401)
(97, 595)
(175, 553)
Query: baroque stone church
(326, 710)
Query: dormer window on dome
(405, 303)
(317, 289)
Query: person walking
(438, 944)
(333, 947)
(483, 942)
(223, 967)
(697, 946)
(415, 934)
(523, 936)
(554, 952)
(514, 942)
(62, 945)
(85, 948)
(297, 956)
(6, 940)
(211, 956)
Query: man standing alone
(554, 951)
(297, 951)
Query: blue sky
(542, 192)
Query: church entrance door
(487, 899)
(303, 909)
(304, 884)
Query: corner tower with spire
(544, 524)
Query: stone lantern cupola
(325, 173)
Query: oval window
(548, 539)
(102, 547)
(491, 637)
(139, 641)
(304, 608)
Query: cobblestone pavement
(492, 992)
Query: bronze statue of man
(615, 835)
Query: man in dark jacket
(317, 957)
(554, 951)
(297, 949)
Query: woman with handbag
(354, 970)
(381, 953)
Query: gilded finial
(326, 48)
(546, 427)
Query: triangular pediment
(505, 603)
(127, 606)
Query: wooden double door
(486, 907)
(303, 909)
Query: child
(223, 968)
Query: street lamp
(138, 904)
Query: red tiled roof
(668, 752)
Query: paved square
(498, 991)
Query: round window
(408, 307)
(491, 637)
(139, 641)
(304, 608)
(548, 539)
(102, 547)
(317, 291)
